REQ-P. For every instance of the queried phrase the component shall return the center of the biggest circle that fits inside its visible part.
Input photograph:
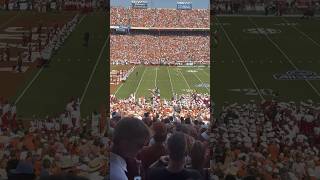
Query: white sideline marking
(286, 56)
(28, 86)
(155, 80)
(303, 33)
(135, 92)
(94, 70)
(242, 62)
(118, 89)
(170, 81)
(35, 77)
(185, 79)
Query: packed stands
(274, 7)
(152, 17)
(188, 114)
(268, 140)
(151, 47)
(160, 36)
(39, 147)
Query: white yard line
(170, 81)
(241, 60)
(200, 81)
(28, 86)
(155, 80)
(185, 79)
(286, 56)
(35, 77)
(115, 93)
(303, 33)
(81, 19)
(135, 92)
(94, 70)
(205, 72)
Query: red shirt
(150, 154)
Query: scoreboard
(139, 4)
(184, 5)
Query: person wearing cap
(152, 153)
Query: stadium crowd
(152, 17)
(56, 38)
(274, 7)
(170, 48)
(268, 140)
(159, 134)
(38, 44)
(39, 147)
(52, 5)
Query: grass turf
(167, 79)
(74, 71)
(244, 63)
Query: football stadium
(53, 59)
(266, 86)
(159, 82)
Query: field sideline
(254, 51)
(75, 71)
(168, 79)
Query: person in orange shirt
(37, 165)
(29, 142)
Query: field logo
(187, 90)
(203, 85)
(297, 75)
(192, 71)
(287, 24)
(262, 31)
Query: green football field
(177, 79)
(75, 71)
(258, 57)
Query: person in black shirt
(175, 170)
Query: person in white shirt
(130, 135)
(95, 123)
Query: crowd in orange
(160, 47)
(268, 140)
(41, 147)
(152, 17)
(188, 113)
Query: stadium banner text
(139, 4)
(184, 5)
(122, 29)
